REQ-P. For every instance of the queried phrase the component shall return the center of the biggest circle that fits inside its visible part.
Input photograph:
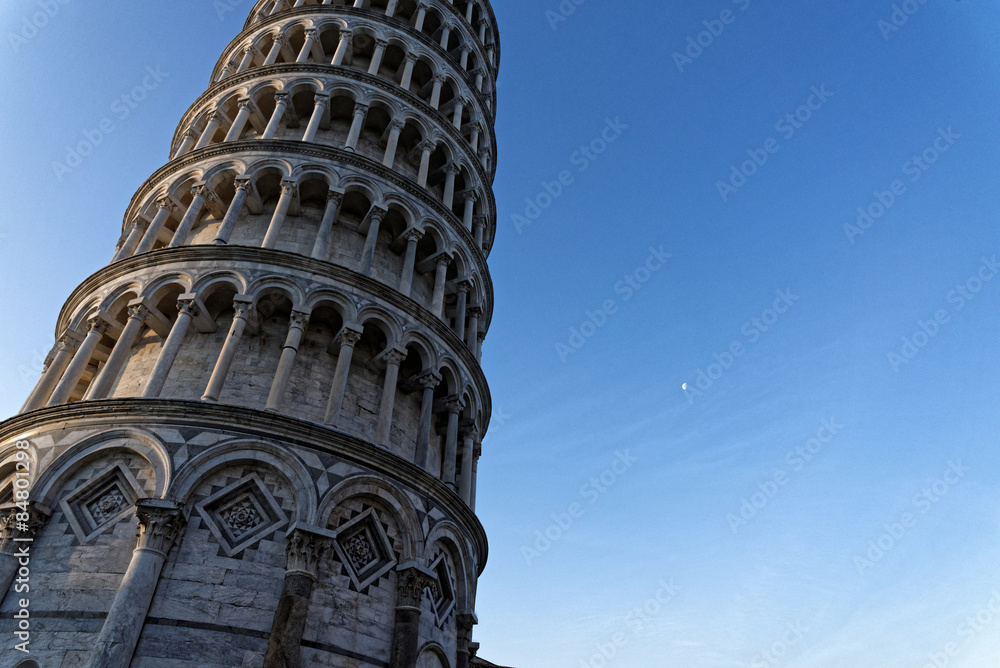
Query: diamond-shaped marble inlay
(442, 592)
(103, 501)
(242, 514)
(364, 549)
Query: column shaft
(225, 230)
(280, 213)
(348, 339)
(321, 249)
(168, 353)
(50, 377)
(225, 361)
(287, 361)
(164, 208)
(190, 218)
(81, 360)
(101, 386)
(383, 431)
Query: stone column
(469, 435)
(321, 249)
(436, 91)
(380, 45)
(470, 210)
(165, 208)
(18, 530)
(390, 10)
(463, 301)
(410, 585)
(240, 123)
(248, 55)
(67, 344)
(201, 193)
(306, 549)
(101, 385)
(190, 137)
(132, 238)
(244, 310)
(307, 46)
(441, 273)
(296, 325)
(451, 171)
(349, 337)
(344, 46)
(395, 128)
(272, 55)
(454, 406)
(319, 110)
(233, 214)
(413, 236)
(475, 313)
(393, 359)
(371, 242)
(475, 475)
(466, 51)
(445, 35)
(81, 360)
(280, 105)
(456, 119)
(474, 138)
(188, 310)
(160, 524)
(478, 228)
(425, 162)
(418, 25)
(480, 337)
(426, 383)
(360, 112)
(280, 213)
(408, 65)
(214, 121)
(466, 621)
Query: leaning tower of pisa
(255, 441)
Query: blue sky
(816, 497)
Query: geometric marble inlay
(442, 592)
(103, 501)
(364, 548)
(242, 514)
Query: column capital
(439, 79)
(281, 97)
(138, 311)
(395, 356)
(397, 125)
(360, 108)
(346, 33)
(453, 404)
(188, 306)
(476, 311)
(410, 57)
(322, 99)
(381, 42)
(427, 145)
(242, 182)
(469, 429)
(279, 38)
(472, 196)
(428, 380)
(243, 103)
(463, 285)
(12, 527)
(412, 234)
(310, 32)
(97, 323)
(307, 546)
(452, 169)
(288, 186)
(410, 585)
(299, 319)
(160, 524)
(349, 335)
(335, 196)
(165, 203)
(243, 306)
